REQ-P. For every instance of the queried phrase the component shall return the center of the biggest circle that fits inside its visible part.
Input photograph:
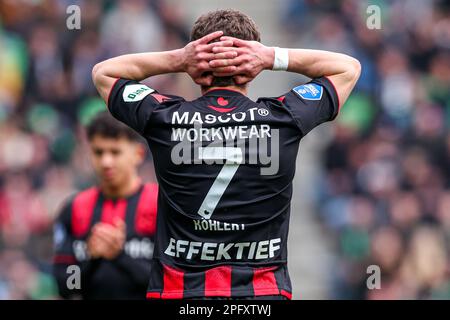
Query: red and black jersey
(125, 277)
(225, 166)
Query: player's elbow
(96, 72)
(352, 71)
(354, 67)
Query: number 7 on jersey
(233, 159)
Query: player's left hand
(108, 240)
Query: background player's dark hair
(105, 125)
(233, 23)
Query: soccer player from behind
(224, 163)
(107, 231)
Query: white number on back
(233, 158)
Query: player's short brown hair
(233, 23)
(106, 126)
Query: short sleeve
(130, 102)
(312, 103)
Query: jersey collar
(222, 92)
(138, 189)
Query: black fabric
(245, 220)
(311, 113)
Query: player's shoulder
(315, 90)
(150, 188)
(149, 193)
(310, 93)
(86, 196)
(134, 91)
(146, 211)
(81, 199)
(276, 101)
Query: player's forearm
(137, 67)
(140, 66)
(318, 63)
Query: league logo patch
(136, 92)
(310, 91)
(59, 235)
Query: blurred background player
(107, 230)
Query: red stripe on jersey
(111, 211)
(218, 282)
(64, 259)
(281, 99)
(173, 283)
(286, 294)
(153, 295)
(264, 282)
(337, 94)
(222, 110)
(110, 91)
(145, 221)
(82, 210)
(159, 97)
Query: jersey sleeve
(62, 237)
(312, 103)
(132, 103)
(64, 255)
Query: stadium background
(371, 188)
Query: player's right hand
(197, 55)
(252, 58)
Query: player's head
(116, 150)
(234, 24)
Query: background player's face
(115, 160)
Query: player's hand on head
(198, 53)
(252, 58)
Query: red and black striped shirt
(225, 281)
(125, 277)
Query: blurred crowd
(46, 96)
(384, 195)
